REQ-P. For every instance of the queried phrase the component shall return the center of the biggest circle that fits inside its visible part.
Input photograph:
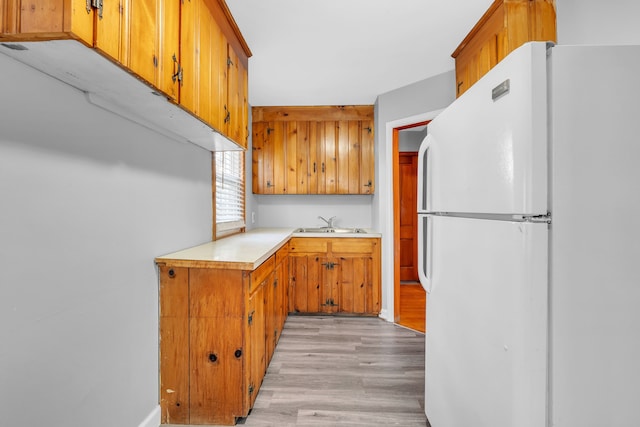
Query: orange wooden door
(408, 175)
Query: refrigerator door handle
(425, 262)
(424, 183)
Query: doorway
(409, 296)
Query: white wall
(303, 211)
(598, 22)
(87, 200)
(410, 104)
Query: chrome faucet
(328, 221)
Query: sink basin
(330, 230)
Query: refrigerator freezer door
(486, 340)
(488, 149)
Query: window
(229, 197)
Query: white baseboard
(153, 419)
(384, 314)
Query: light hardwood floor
(413, 300)
(343, 371)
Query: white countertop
(244, 251)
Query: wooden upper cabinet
(46, 20)
(505, 26)
(191, 51)
(313, 150)
(215, 75)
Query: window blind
(229, 191)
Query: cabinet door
(219, 72)
(216, 307)
(261, 160)
(290, 144)
(168, 48)
(242, 121)
(237, 103)
(315, 134)
(328, 159)
(301, 171)
(330, 285)
(174, 344)
(142, 38)
(189, 58)
(306, 276)
(203, 85)
(355, 284)
(282, 303)
(367, 158)
(110, 29)
(276, 136)
(257, 361)
(270, 316)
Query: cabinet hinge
(250, 317)
(329, 265)
(229, 61)
(330, 303)
(96, 4)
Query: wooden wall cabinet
(313, 150)
(334, 275)
(505, 26)
(214, 75)
(191, 52)
(218, 331)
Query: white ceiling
(347, 52)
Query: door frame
(396, 213)
(383, 199)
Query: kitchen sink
(330, 230)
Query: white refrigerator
(529, 243)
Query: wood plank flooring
(343, 371)
(413, 299)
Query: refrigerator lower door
(486, 340)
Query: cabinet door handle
(178, 74)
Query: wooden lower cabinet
(218, 330)
(334, 275)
